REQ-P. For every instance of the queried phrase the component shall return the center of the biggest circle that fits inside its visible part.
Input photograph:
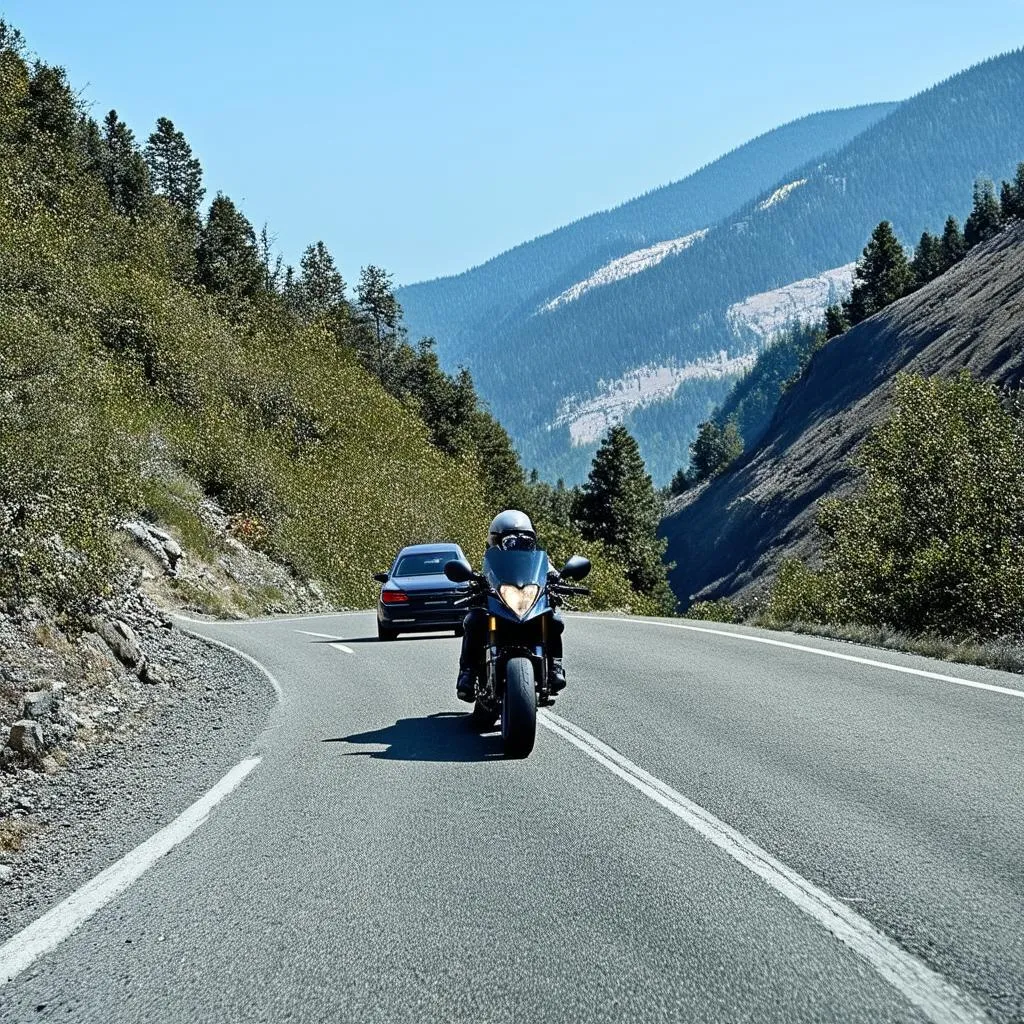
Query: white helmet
(514, 525)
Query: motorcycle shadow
(445, 736)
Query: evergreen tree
(986, 218)
(320, 288)
(273, 265)
(174, 170)
(381, 319)
(51, 104)
(836, 322)
(619, 506)
(228, 260)
(680, 483)
(882, 275)
(927, 262)
(714, 449)
(1011, 197)
(951, 246)
(123, 168)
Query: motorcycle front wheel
(519, 709)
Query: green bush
(933, 541)
(720, 610)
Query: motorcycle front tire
(519, 709)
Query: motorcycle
(520, 592)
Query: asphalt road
(384, 863)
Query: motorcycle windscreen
(520, 568)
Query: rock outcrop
(728, 537)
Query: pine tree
(927, 262)
(320, 288)
(273, 265)
(882, 275)
(836, 322)
(381, 320)
(986, 218)
(714, 448)
(680, 483)
(51, 104)
(123, 168)
(619, 506)
(174, 170)
(228, 260)
(951, 245)
(1011, 197)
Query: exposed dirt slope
(728, 537)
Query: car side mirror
(576, 568)
(381, 577)
(459, 572)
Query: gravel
(128, 748)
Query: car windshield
(424, 563)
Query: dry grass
(1004, 657)
(13, 834)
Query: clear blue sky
(426, 136)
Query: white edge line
(61, 921)
(245, 657)
(940, 1000)
(1009, 691)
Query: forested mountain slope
(728, 537)
(460, 308)
(912, 167)
(158, 365)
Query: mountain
(458, 309)
(728, 537)
(682, 314)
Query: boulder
(37, 705)
(26, 737)
(159, 543)
(121, 639)
(154, 673)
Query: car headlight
(519, 599)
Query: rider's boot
(556, 675)
(465, 687)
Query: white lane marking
(329, 636)
(58, 923)
(938, 999)
(816, 650)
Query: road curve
(383, 863)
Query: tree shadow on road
(445, 736)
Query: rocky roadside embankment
(108, 730)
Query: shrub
(720, 610)
(933, 541)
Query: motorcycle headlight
(519, 599)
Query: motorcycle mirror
(576, 568)
(381, 577)
(458, 572)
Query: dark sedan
(417, 596)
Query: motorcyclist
(510, 530)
